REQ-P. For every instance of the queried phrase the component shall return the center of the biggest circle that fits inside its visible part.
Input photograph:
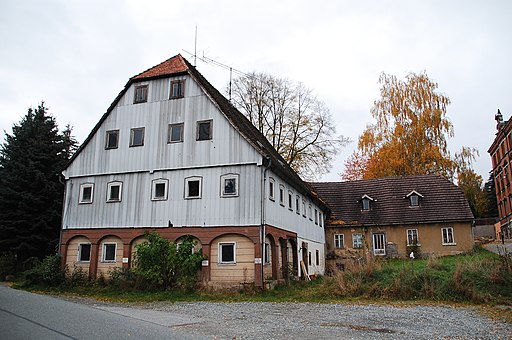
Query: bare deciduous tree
(297, 124)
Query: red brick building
(500, 152)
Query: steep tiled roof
(171, 66)
(178, 65)
(442, 201)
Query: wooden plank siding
(229, 274)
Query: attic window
(141, 94)
(111, 139)
(414, 198)
(204, 130)
(137, 136)
(366, 202)
(176, 89)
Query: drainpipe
(263, 217)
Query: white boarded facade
(172, 155)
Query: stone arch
(73, 250)
(197, 243)
(136, 241)
(228, 270)
(105, 262)
(271, 258)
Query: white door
(379, 244)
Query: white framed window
(193, 187)
(271, 189)
(448, 238)
(281, 194)
(357, 241)
(297, 204)
(137, 137)
(309, 258)
(229, 185)
(379, 244)
(114, 191)
(84, 252)
(316, 216)
(175, 133)
(339, 241)
(227, 252)
(317, 257)
(159, 189)
(310, 212)
(86, 193)
(204, 130)
(290, 200)
(320, 219)
(412, 237)
(267, 253)
(109, 252)
(177, 89)
(111, 139)
(304, 208)
(140, 94)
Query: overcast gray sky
(78, 55)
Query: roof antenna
(195, 48)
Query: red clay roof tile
(171, 66)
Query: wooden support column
(64, 255)
(127, 251)
(93, 264)
(258, 266)
(206, 270)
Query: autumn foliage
(410, 134)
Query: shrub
(46, 273)
(7, 265)
(161, 263)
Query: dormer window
(366, 202)
(414, 198)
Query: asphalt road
(25, 315)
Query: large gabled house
(172, 155)
(390, 216)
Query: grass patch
(478, 277)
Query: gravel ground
(250, 320)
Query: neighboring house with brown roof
(383, 216)
(171, 154)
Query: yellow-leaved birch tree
(411, 130)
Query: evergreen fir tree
(31, 192)
(492, 202)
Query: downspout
(263, 217)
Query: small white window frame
(268, 254)
(198, 133)
(181, 85)
(109, 191)
(81, 193)
(156, 182)
(304, 212)
(223, 179)
(297, 204)
(316, 216)
(132, 136)
(220, 245)
(144, 88)
(411, 233)
(169, 131)
(310, 212)
(104, 252)
(290, 200)
(193, 179)
(79, 252)
(271, 189)
(107, 139)
(449, 233)
(281, 194)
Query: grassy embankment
(478, 277)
